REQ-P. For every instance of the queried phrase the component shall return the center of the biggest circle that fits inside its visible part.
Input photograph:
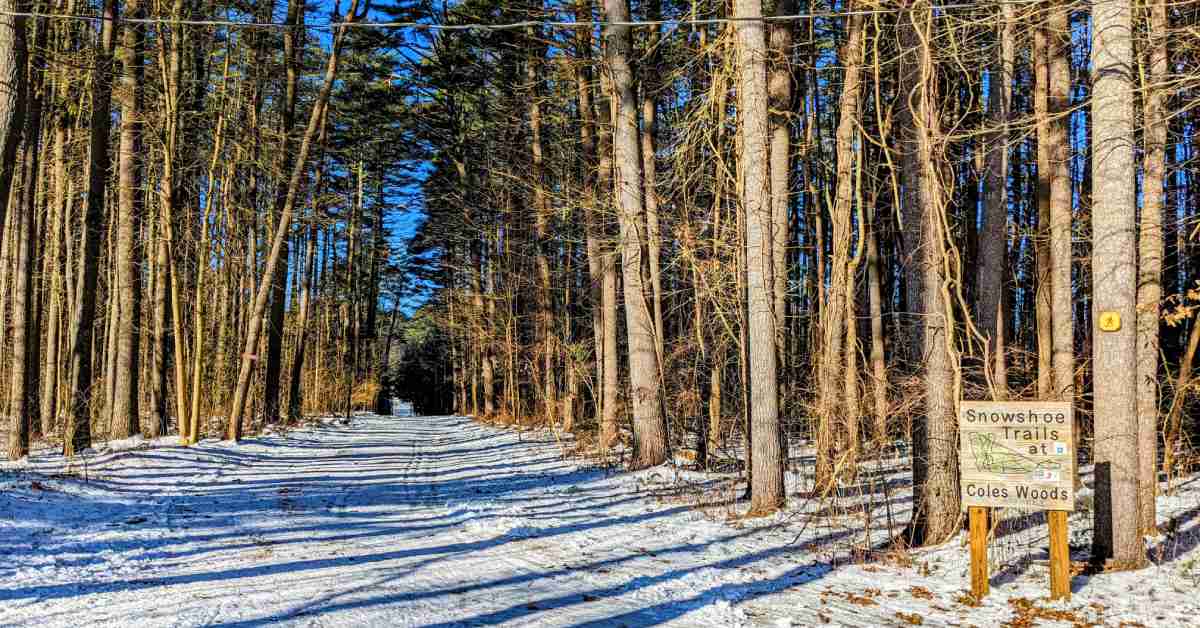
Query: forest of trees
(716, 228)
(196, 236)
(724, 228)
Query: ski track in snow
(441, 521)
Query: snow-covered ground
(441, 521)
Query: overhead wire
(484, 26)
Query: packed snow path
(440, 521)
(386, 521)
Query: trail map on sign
(992, 456)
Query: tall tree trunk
(53, 272)
(541, 218)
(879, 377)
(767, 461)
(204, 254)
(650, 431)
(911, 210)
(609, 258)
(1059, 147)
(649, 69)
(129, 210)
(833, 315)
(77, 434)
(293, 44)
(295, 398)
(34, 195)
(779, 86)
(112, 317)
(1044, 266)
(935, 446)
(13, 96)
(1150, 262)
(993, 254)
(591, 197)
(159, 403)
(851, 390)
(1114, 288)
(487, 349)
(167, 278)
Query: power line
(482, 26)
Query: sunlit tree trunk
(12, 96)
(611, 377)
(650, 435)
(541, 218)
(779, 86)
(1059, 147)
(1114, 275)
(590, 197)
(1043, 287)
(128, 288)
(53, 272)
(766, 463)
(879, 376)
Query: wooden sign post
(1018, 454)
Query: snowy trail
(439, 521)
(388, 521)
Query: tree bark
(167, 280)
(77, 434)
(128, 289)
(159, 403)
(935, 443)
(591, 199)
(1059, 147)
(1114, 287)
(295, 400)
(650, 433)
(13, 96)
(1043, 289)
(541, 218)
(53, 265)
(879, 376)
(649, 68)
(779, 86)
(993, 254)
(833, 314)
(293, 44)
(767, 493)
(611, 376)
(911, 210)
